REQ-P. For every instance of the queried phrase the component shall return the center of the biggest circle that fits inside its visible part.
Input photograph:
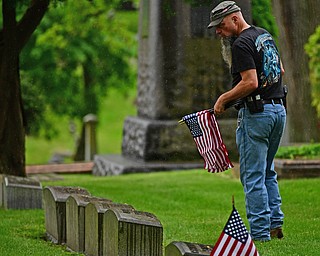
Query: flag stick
(233, 201)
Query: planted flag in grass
(234, 239)
(206, 134)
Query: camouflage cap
(222, 10)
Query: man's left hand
(219, 107)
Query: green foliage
(34, 104)
(308, 151)
(262, 16)
(115, 107)
(192, 206)
(81, 49)
(312, 48)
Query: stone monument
(132, 233)
(75, 219)
(20, 193)
(180, 71)
(94, 224)
(187, 249)
(54, 204)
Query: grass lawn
(115, 108)
(193, 206)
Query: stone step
(81, 167)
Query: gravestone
(180, 71)
(94, 227)
(20, 193)
(75, 220)
(187, 249)
(54, 203)
(132, 233)
(87, 144)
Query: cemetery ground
(192, 205)
(115, 108)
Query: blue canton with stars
(192, 122)
(236, 228)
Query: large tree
(72, 43)
(297, 20)
(13, 37)
(79, 50)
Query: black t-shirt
(254, 48)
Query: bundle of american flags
(206, 134)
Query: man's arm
(282, 68)
(247, 85)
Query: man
(257, 80)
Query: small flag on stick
(206, 134)
(234, 240)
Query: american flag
(206, 134)
(234, 239)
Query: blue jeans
(258, 137)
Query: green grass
(116, 108)
(193, 206)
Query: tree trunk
(297, 20)
(12, 39)
(12, 140)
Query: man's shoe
(276, 233)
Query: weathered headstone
(180, 71)
(54, 204)
(20, 193)
(75, 220)
(132, 233)
(87, 144)
(94, 228)
(187, 249)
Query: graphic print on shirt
(271, 70)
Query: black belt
(269, 101)
(273, 101)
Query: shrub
(308, 151)
(312, 48)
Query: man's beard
(226, 45)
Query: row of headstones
(99, 226)
(92, 225)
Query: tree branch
(30, 21)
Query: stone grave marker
(187, 249)
(94, 228)
(132, 233)
(54, 203)
(75, 219)
(20, 193)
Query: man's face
(227, 27)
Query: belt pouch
(255, 104)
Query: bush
(312, 48)
(262, 16)
(309, 151)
